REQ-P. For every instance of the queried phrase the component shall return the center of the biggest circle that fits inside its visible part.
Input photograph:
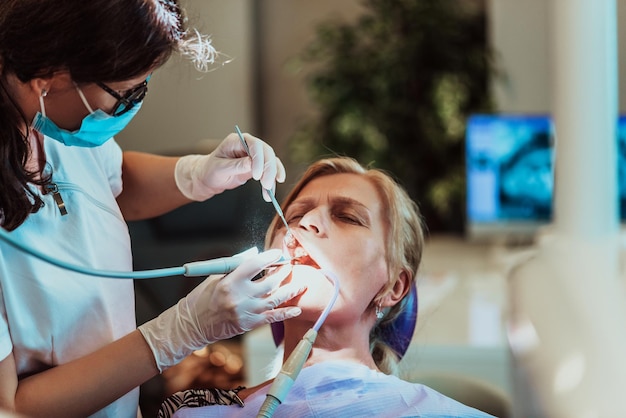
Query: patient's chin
(319, 288)
(309, 275)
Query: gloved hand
(200, 177)
(221, 307)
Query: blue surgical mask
(95, 129)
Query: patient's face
(338, 226)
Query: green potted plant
(394, 89)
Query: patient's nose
(314, 221)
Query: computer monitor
(509, 167)
(621, 166)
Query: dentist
(72, 75)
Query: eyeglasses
(129, 100)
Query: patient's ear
(400, 288)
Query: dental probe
(292, 367)
(223, 265)
(279, 211)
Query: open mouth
(299, 255)
(302, 258)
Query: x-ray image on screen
(509, 168)
(509, 171)
(526, 180)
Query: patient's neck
(349, 343)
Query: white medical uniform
(50, 316)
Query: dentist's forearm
(83, 386)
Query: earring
(379, 312)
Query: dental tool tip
(281, 261)
(290, 240)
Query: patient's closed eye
(349, 218)
(293, 218)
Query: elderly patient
(361, 227)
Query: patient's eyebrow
(348, 201)
(302, 203)
(307, 202)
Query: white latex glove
(200, 177)
(221, 307)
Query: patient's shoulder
(358, 383)
(431, 403)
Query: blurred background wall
(264, 95)
(255, 88)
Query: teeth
(300, 252)
(300, 256)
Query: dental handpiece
(292, 367)
(223, 265)
(288, 374)
(277, 208)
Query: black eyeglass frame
(129, 100)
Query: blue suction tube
(221, 265)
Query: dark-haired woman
(72, 75)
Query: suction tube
(290, 370)
(221, 265)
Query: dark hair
(94, 40)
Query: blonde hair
(404, 238)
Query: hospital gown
(332, 389)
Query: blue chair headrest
(397, 334)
